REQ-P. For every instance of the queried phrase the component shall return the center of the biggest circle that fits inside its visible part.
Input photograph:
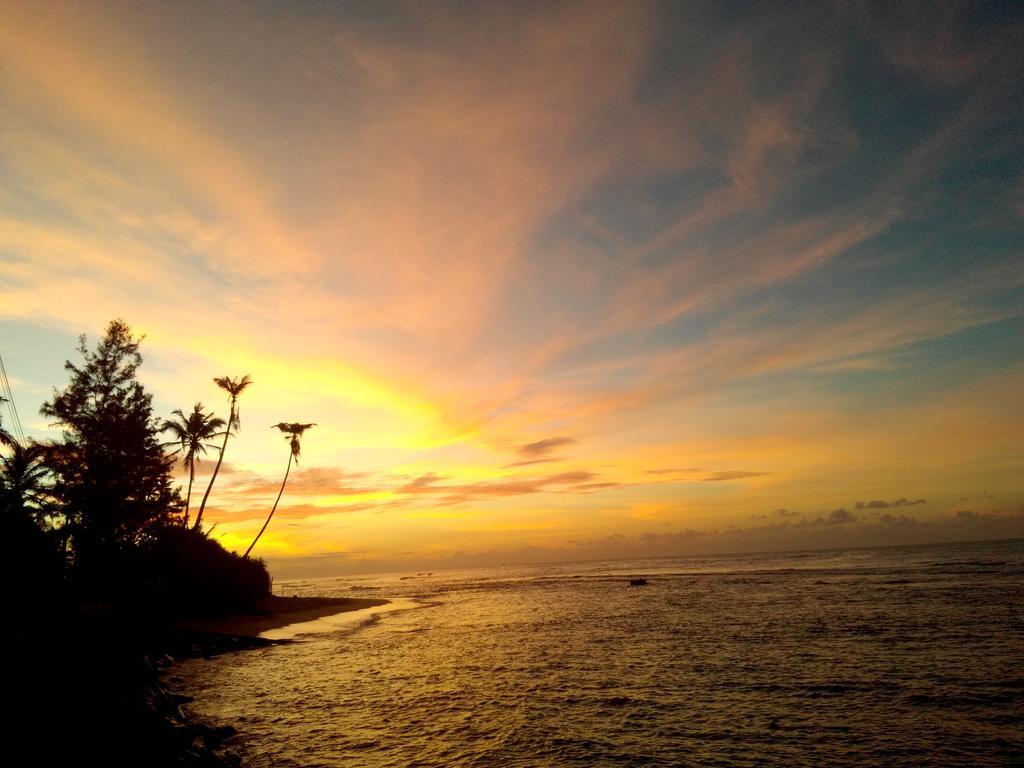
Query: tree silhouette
(34, 548)
(234, 388)
(24, 482)
(190, 434)
(294, 430)
(111, 476)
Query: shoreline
(275, 612)
(207, 744)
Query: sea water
(899, 656)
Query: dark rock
(214, 737)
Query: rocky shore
(172, 733)
(88, 684)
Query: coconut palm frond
(234, 388)
(24, 479)
(293, 431)
(293, 428)
(191, 433)
(178, 429)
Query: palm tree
(35, 544)
(234, 388)
(190, 434)
(23, 481)
(295, 430)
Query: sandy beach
(274, 612)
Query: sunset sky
(555, 280)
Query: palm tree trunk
(216, 469)
(188, 494)
(272, 511)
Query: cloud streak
(538, 271)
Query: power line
(11, 407)
(8, 396)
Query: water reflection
(905, 656)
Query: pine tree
(111, 476)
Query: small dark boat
(637, 582)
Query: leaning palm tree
(190, 436)
(234, 388)
(295, 430)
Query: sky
(556, 281)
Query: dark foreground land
(108, 577)
(85, 682)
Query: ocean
(909, 656)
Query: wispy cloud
(541, 451)
(700, 273)
(731, 475)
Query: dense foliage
(185, 570)
(96, 512)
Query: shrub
(185, 571)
